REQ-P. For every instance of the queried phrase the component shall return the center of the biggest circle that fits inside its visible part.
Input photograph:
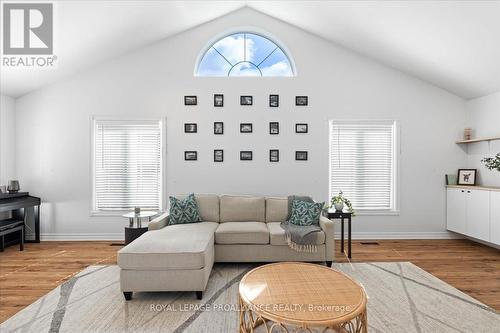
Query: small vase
(13, 186)
(339, 206)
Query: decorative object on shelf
(218, 100)
(13, 186)
(274, 101)
(190, 155)
(190, 128)
(467, 133)
(492, 163)
(274, 155)
(246, 100)
(246, 128)
(301, 128)
(218, 128)
(301, 100)
(246, 155)
(218, 155)
(451, 179)
(190, 100)
(3, 188)
(467, 177)
(274, 128)
(301, 155)
(339, 201)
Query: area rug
(401, 298)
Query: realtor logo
(28, 28)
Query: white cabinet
(455, 210)
(495, 217)
(474, 212)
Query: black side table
(131, 234)
(343, 215)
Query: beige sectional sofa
(234, 229)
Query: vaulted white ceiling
(454, 45)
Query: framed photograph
(274, 155)
(190, 155)
(246, 128)
(274, 101)
(218, 155)
(218, 128)
(246, 100)
(467, 177)
(451, 179)
(190, 100)
(218, 100)
(190, 128)
(246, 155)
(301, 100)
(301, 128)
(274, 128)
(301, 155)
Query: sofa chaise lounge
(234, 229)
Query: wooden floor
(26, 276)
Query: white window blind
(362, 163)
(128, 164)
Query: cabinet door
(478, 214)
(495, 217)
(455, 210)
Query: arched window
(245, 54)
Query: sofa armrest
(159, 222)
(328, 228)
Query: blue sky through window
(244, 54)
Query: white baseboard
(82, 237)
(355, 235)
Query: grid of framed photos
(246, 128)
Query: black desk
(342, 216)
(17, 204)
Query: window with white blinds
(363, 163)
(127, 164)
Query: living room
(223, 166)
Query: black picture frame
(218, 155)
(246, 100)
(246, 155)
(301, 100)
(191, 100)
(218, 128)
(218, 100)
(301, 155)
(190, 128)
(274, 101)
(463, 177)
(301, 128)
(244, 128)
(274, 155)
(274, 128)
(190, 155)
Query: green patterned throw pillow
(306, 213)
(184, 211)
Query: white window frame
(163, 153)
(394, 210)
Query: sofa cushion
(179, 246)
(242, 233)
(184, 211)
(276, 209)
(277, 235)
(208, 206)
(306, 213)
(242, 209)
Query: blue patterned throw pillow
(184, 211)
(306, 213)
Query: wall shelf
(478, 140)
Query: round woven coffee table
(301, 297)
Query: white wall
(54, 128)
(483, 116)
(7, 139)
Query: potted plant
(339, 201)
(492, 163)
